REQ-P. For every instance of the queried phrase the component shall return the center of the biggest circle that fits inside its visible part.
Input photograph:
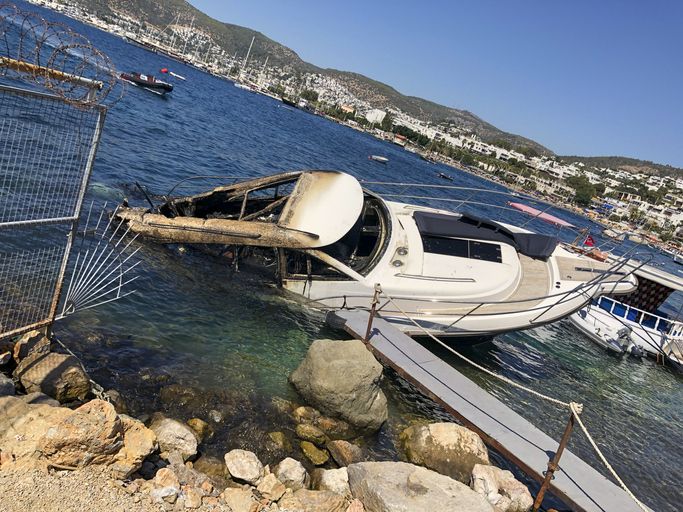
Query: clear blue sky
(581, 77)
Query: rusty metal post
(373, 310)
(554, 463)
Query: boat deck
(576, 483)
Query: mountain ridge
(235, 38)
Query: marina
(205, 317)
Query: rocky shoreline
(62, 449)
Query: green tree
(309, 95)
(387, 123)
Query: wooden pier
(575, 482)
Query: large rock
(57, 375)
(239, 500)
(93, 434)
(271, 488)
(22, 427)
(173, 436)
(342, 378)
(501, 489)
(244, 465)
(292, 473)
(403, 487)
(447, 448)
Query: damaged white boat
(453, 273)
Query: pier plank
(576, 483)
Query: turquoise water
(233, 338)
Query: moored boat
(147, 82)
(650, 330)
(378, 158)
(450, 274)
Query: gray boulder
(447, 448)
(341, 378)
(173, 436)
(403, 487)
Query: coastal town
(645, 207)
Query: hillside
(632, 165)
(234, 38)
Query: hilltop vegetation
(632, 165)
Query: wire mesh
(28, 281)
(45, 144)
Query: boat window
(462, 248)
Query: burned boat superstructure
(454, 274)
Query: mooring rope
(575, 407)
(603, 459)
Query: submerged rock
(345, 453)
(244, 465)
(501, 489)
(341, 378)
(292, 473)
(280, 441)
(400, 487)
(57, 375)
(173, 436)
(311, 433)
(447, 448)
(317, 456)
(201, 428)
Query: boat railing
(473, 306)
(673, 328)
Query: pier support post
(373, 310)
(554, 463)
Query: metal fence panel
(47, 149)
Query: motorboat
(650, 330)
(147, 82)
(330, 240)
(380, 159)
(445, 176)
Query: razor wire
(53, 56)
